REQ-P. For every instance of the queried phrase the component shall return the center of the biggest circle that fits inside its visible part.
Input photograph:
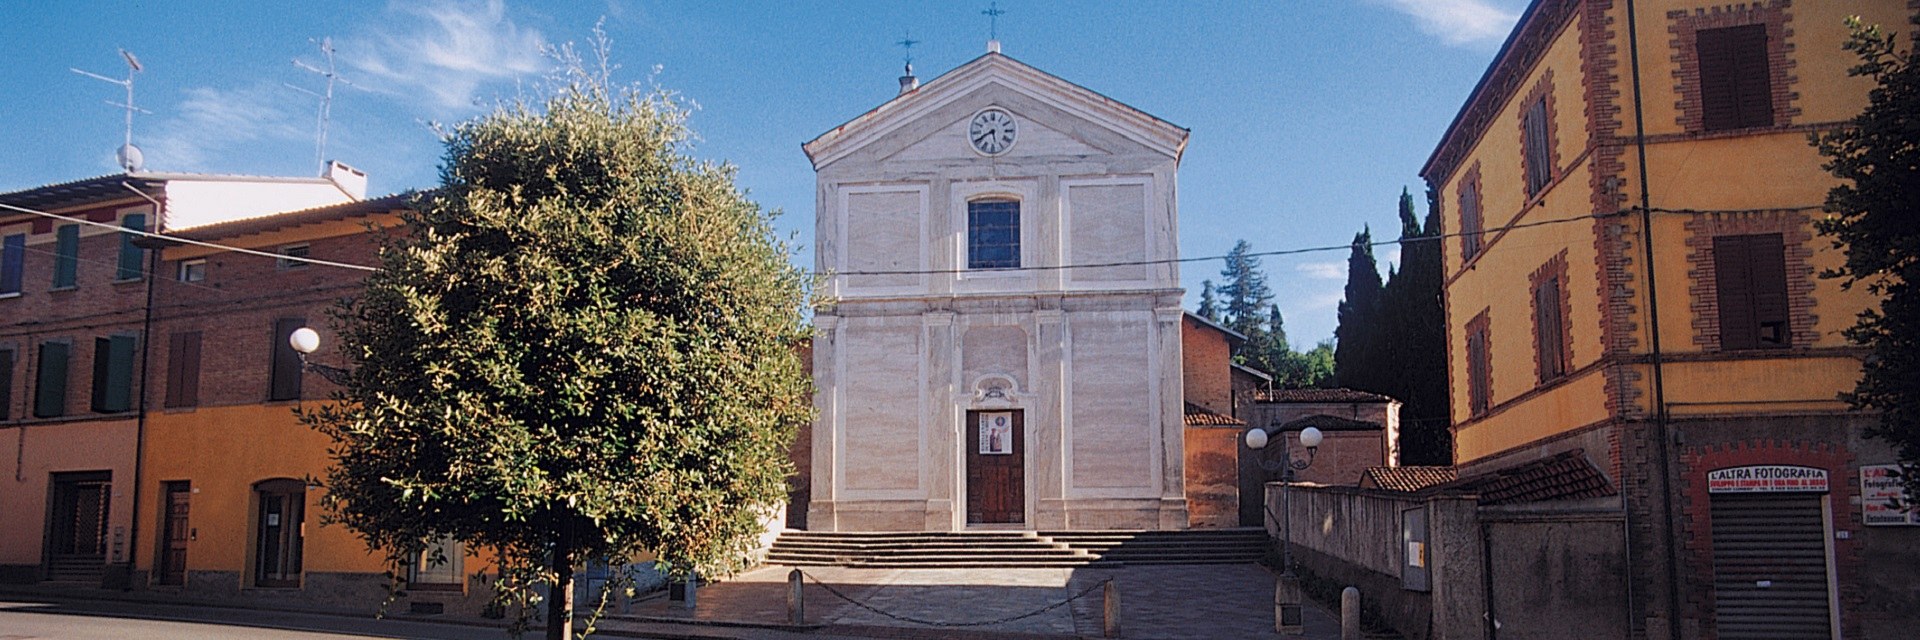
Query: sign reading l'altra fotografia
(1766, 478)
(1882, 497)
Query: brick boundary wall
(1702, 288)
(1696, 522)
(1686, 69)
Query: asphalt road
(91, 620)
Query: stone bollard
(693, 585)
(796, 603)
(1349, 614)
(1110, 612)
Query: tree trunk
(560, 597)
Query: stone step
(1010, 549)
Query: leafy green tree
(1209, 307)
(581, 346)
(1873, 214)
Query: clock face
(992, 131)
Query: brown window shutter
(1767, 260)
(1478, 395)
(1539, 171)
(1546, 319)
(1733, 290)
(1469, 221)
(1736, 89)
(6, 384)
(287, 367)
(183, 370)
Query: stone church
(1001, 341)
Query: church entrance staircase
(1017, 549)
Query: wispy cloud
(1328, 270)
(210, 123)
(1458, 22)
(1318, 301)
(444, 53)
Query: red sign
(1766, 478)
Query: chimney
(909, 82)
(348, 179)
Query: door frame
(50, 519)
(964, 494)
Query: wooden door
(996, 467)
(76, 547)
(174, 535)
(282, 503)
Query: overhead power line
(197, 243)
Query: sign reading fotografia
(1881, 499)
(1766, 478)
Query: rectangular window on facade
(183, 369)
(6, 384)
(287, 367)
(13, 263)
(1469, 221)
(1479, 368)
(440, 567)
(66, 256)
(1549, 328)
(993, 234)
(131, 255)
(1736, 89)
(113, 374)
(194, 270)
(1536, 147)
(1750, 282)
(293, 251)
(50, 386)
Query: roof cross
(906, 42)
(993, 13)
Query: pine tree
(1245, 290)
(1871, 214)
(1209, 307)
(1418, 343)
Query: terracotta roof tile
(1318, 395)
(1407, 479)
(1198, 416)
(1565, 476)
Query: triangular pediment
(1065, 118)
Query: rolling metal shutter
(1770, 566)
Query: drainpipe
(140, 420)
(1662, 438)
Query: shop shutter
(1770, 566)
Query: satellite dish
(130, 158)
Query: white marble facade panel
(1113, 435)
(881, 369)
(988, 350)
(885, 230)
(1107, 223)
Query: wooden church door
(996, 467)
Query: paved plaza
(1172, 601)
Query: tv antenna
(326, 98)
(129, 156)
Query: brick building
(148, 388)
(1631, 280)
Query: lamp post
(1286, 593)
(305, 341)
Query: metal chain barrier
(941, 623)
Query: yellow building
(1632, 273)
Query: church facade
(972, 369)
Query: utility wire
(902, 272)
(168, 238)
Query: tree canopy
(1874, 214)
(581, 346)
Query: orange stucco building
(1632, 274)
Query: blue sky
(1308, 116)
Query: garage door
(1770, 566)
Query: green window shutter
(50, 390)
(113, 374)
(66, 256)
(287, 367)
(131, 255)
(6, 384)
(13, 259)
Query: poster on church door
(996, 434)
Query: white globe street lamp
(1286, 593)
(304, 340)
